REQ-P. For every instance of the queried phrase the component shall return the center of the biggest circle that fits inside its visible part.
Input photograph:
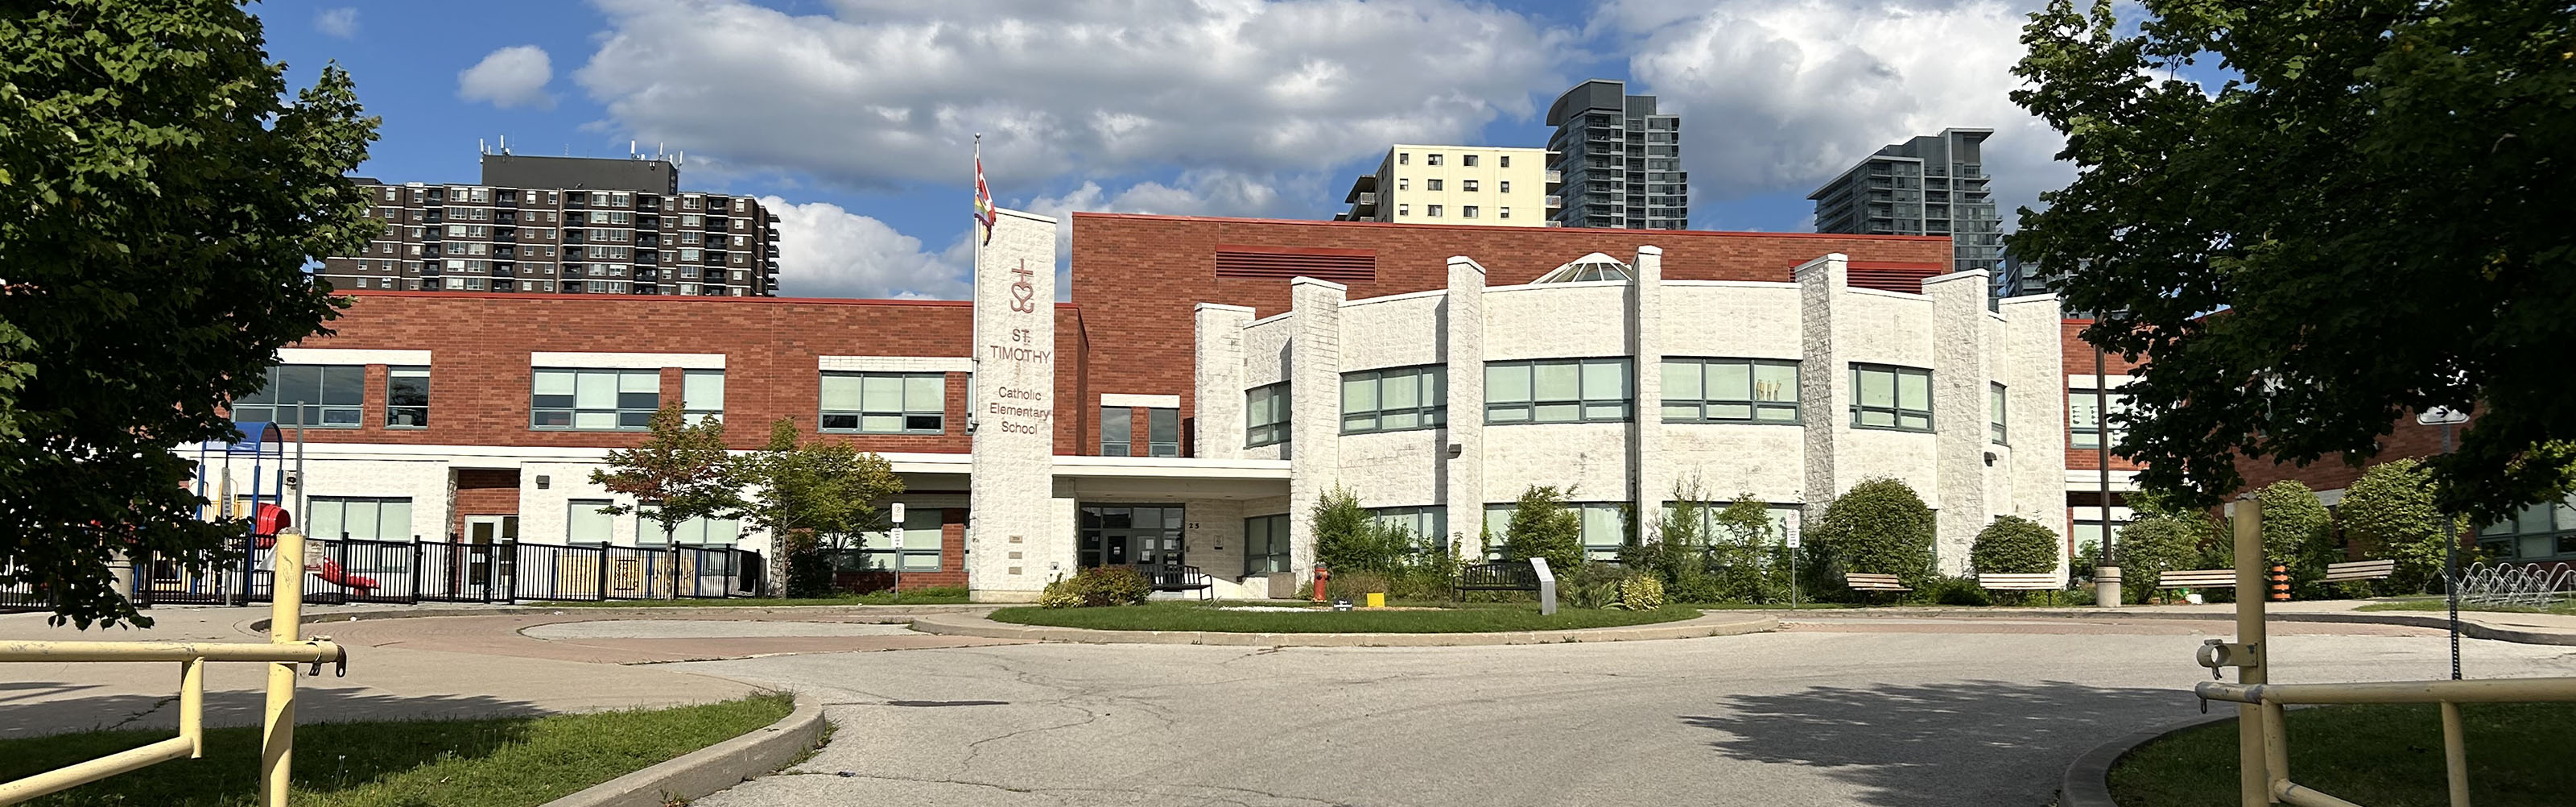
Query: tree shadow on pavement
(22, 717)
(1963, 743)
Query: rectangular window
(1504, 186)
(1265, 544)
(598, 400)
(1428, 526)
(2084, 418)
(1404, 183)
(701, 391)
(1503, 213)
(1162, 432)
(1605, 525)
(1431, 159)
(584, 524)
(1395, 399)
(700, 531)
(885, 403)
(363, 518)
(1117, 431)
(912, 546)
(1730, 391)
(1431, 210)
(1431, 184)
(1889, 397)
(1468, 185)
(1995, 412)
(1265, 416)
(1404, 158)
(406, 397)
(1468, 211)
(1558, 391)
(1504, 161)
(1404, 210)
(1470, 163)
(333, 397)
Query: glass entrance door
(1147, 537)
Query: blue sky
(855, 114)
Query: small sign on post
(2441, 416)
(1546, 587)
(894, 513)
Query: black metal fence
(362, 571)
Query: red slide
(333, 574)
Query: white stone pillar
(2032, 362)
(1464, 449)
(1962, 386)
(1216, 428)
(1314, 410)
(1648, 478)
(1014, 413)
(1824, 397)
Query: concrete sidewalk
(2505, 626)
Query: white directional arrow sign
(2440, 415)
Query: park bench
(1500, 575)
(1863, 581)
(2360, 570)
(2018, 582)
(2197, 578)
(1183, 578)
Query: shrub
(2080, 567)
(1641, 592)
(1878, 527)
(2298, 532)
(1096, 587)
(1542, 527)
(1947, 590)
(2389, 513)
(1059, 593)
(2155, 543)
(1591, 585)
(1348, 538)
(1354, 585)
(2014, 545)
(809, 570)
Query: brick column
(1823, 390)
(1464, 493)
(1650, 482)
(1315, 410)
(1216, 427)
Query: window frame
(860, 414)
(324, 375)
(1274, 555)
(1998, 426)
(1896, 410)
(574, 507)
(314, 505)
(1258, 433)
(1428, 523)
(1431, 401)
(618, 411)
(1584, 403)
(897, 554)
(1125, 445)
(1154, 422)
(1754, 405)
(1498, 519)
(2088, 437)
(689, 406)
(403, 371)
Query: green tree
(164, 195)
(2370, 194)
(1751, 558)
(679, 472)
(1543, 527)
(2389, 513)
(805, 491)
(2298, 532)
(1878, 527)
(2161, 537)
(1349, 539)
(2013, 545)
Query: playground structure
(2262, 734)
(2528, 584)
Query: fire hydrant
(1321, 574)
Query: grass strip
(2382, 755)
(1462, 619)
(488, 762)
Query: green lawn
(1462, 619)
(927, 596)
(494, 762)
(2378, 755)
(2442, 605)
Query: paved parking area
(1911, 712)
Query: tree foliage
(2298, 532)
(679, 472)
(1349, 539)
(2371, 198)
(2389, 514)
(1878, 527)
(2014, 545)
(2161, 537)
(807, 492)
(164, 195)
(1543, 527)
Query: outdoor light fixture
(1455, 450)
(543, 481)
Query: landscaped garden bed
(490, 762)
(2379, 755)
(1465, 618)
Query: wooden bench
(1498, 575)
(2360, 570)
(1183, 578)
(1862, 581)
(2018, 582)
(2197, 578)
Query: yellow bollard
(285, 626)
(1376, 600)
(2254, 774)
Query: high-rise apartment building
(1499, 187)
(564, 225)
(1930, 185)
(1621, 161)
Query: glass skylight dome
(1595, 266)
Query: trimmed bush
(2014, 545)
(1947, 590)
(1878, 527)
(2298, 532)
(1543, 527)
(1349, 539)
(2160, 539)
(1096, 587)
(1059, 594)
(2389, 514)
(1641, 592)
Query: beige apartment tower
(1481, 185)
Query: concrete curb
(2087, 782)
(713, 768)
(2469, 627)
(1715, 624)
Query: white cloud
(1194, 193)
(885, 93)
(510, 77)
(826, 251)
(339, 22)
(1782, 95)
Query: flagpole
(974, 278)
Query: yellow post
(285, 626)
(192, 706)
(2254, 778)
(2455, 753)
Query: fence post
(603, 572)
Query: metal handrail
(285, 649)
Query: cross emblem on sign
(1023, 294)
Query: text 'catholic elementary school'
(1211, 379)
